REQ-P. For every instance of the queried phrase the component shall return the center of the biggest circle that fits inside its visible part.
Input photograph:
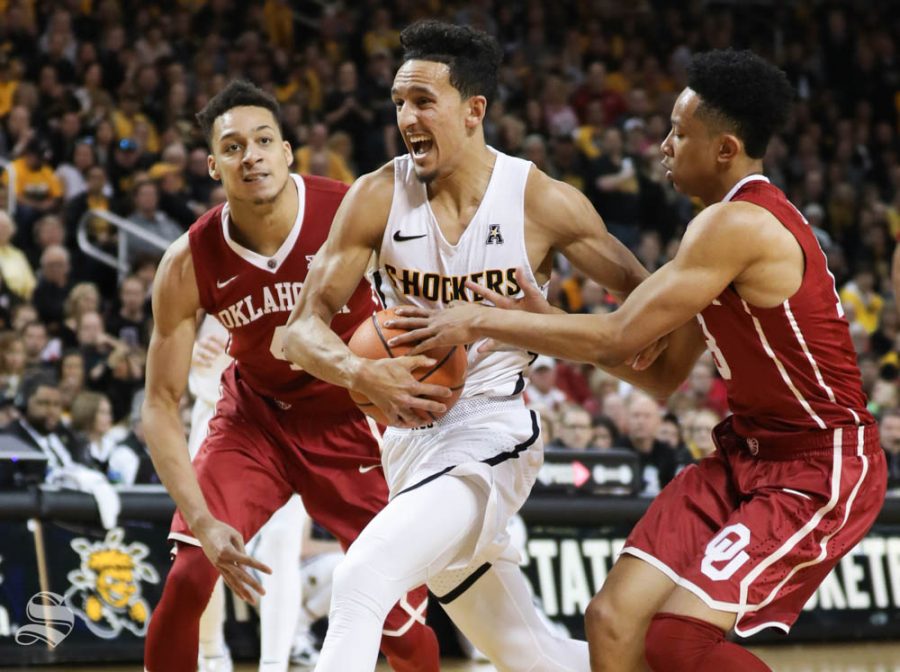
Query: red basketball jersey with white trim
(790, 368)
(253, 296)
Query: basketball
(371, 341)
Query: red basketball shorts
(257, 454)
(756, 527)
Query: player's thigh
(633, 591)
(683, 518)
(774, 550)
(419, 533)
(241, 476)
(339, 476)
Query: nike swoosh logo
(399, 237)
(365, 470)
(221, 283)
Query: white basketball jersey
(418, 266)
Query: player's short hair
(238, 93)
(473, 56)
(744, 92)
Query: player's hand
(645, 358)
(454, 325)
(207, 349)
(390, 385)
(224, 547)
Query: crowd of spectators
(96, 113)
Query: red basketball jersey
(791, 368)
(253, 296)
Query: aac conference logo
(51, 621)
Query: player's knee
(356, 585)
(675, 643)
(191, 579)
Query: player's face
(249, 155)
(690, 149)
(432, 117)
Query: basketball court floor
(884, 657)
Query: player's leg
(214, 653)
(687, 634)
(277, 544)
(212, 632)
(343, 488)
(498, 616)
(617, 619)
(414, 537)
(243, 485)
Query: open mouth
(420, 145)
(256, 177)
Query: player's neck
(468, 181)
(263, 228)
(736, 172)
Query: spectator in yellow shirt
(38, 189)
(14, 267)
(866, 303)
(315, 158)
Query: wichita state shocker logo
(106, 589)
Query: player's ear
(476, 107)
(211, 167)
(288, 153)
(730, 147)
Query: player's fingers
(407, 323)
(530, 289)
(413, 362)
(431, 390)
(237, 570)
(490, 295)
(412, 311)
(490, 345)
(417, 405)
(233, 582)
(426, 345)
(409, 337)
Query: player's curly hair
(473, 56)
(238, 93)
(743, 91)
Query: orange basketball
(371, 341)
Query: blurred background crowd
(97, 104)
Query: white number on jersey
(718, 357)
(277, 347)
(727, 546)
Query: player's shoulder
(176, 281)
(324, 185)
(374, 191)
(558, 206)
(734, 228)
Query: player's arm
(338, 267)
(175, 305)
(573, 227)
(717, 248)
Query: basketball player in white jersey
(277, 544)
(452, 209)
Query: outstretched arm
(333, 276)
(714, 252)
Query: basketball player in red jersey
(277, 430)
(741, 540)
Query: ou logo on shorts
(728, 547)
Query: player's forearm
(169, 451)
(582, 338)
(312, 344)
